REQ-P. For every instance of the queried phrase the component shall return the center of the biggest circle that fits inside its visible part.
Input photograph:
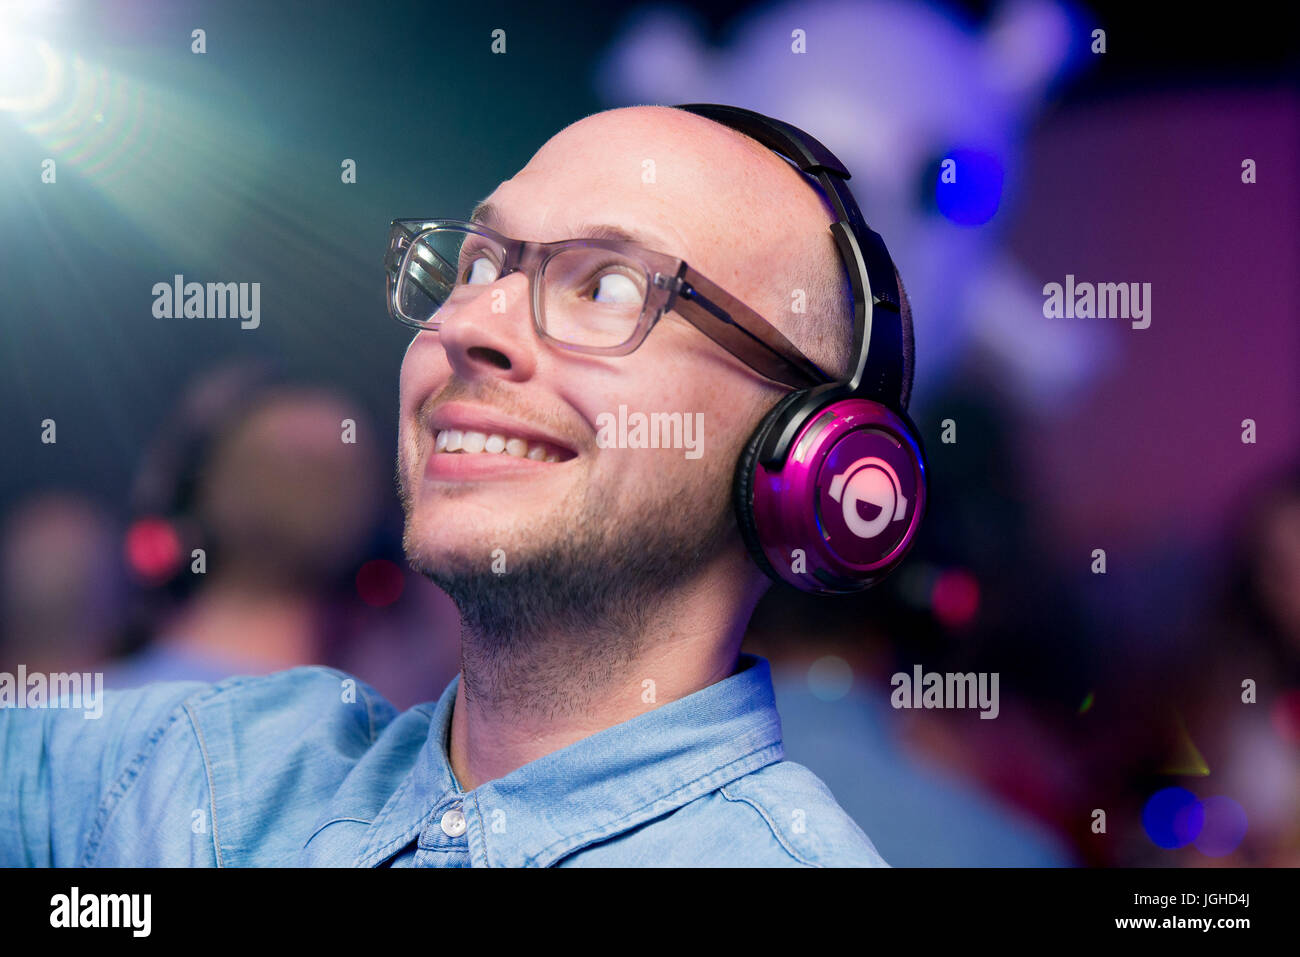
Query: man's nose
(492, 333)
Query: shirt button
(453, 822)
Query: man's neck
(692, 640)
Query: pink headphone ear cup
(743, 486)
(854, 472)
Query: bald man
(603, 714)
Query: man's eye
(481, 271)
(618, 288)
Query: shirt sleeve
(61, 767)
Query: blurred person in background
(61, 589)
(904, 774)
(1262, 600)
(258, 475)
(1218, 714)
(1252, 747)
(940, 788)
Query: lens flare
(969, 189)
(1225, 826)
(955, 598)
(830, 678)
(103, 126)
(1173, 817)
(31, 74)
(380, 583)
(153, 549)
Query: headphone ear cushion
(743, 485)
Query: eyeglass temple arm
(744, 333)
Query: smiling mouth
(468, 442)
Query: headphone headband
(830, 488)
(880, 370)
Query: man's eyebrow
(486, 214)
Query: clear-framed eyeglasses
(595, 296)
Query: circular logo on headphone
(867, 496)
(869, 483)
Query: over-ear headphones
(166, 522)
(830, 489)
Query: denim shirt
(312, 767)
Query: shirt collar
(595, 788)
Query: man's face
(686, 188)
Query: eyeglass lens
(587, 295)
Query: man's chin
(460, 540)
(441, 553)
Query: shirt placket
(442, 841)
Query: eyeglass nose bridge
(525, 257)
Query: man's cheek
(632, 475)
(424, 372)
(404, 444)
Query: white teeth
(455, 440)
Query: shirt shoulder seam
(112, 800)
(212, 791)
(771, 824)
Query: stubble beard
(581, 588)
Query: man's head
(582, 542)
